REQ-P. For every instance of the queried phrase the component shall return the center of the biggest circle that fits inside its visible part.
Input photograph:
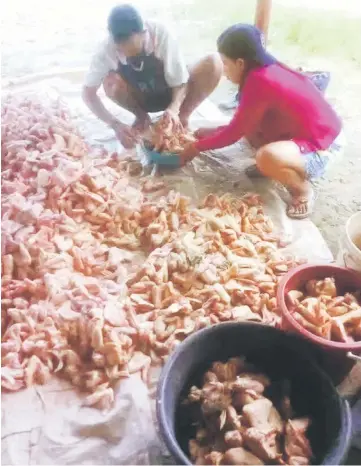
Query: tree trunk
(263, 15)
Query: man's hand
(189, 152)
(141, 123)
(170, 117)
(126, 134)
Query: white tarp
(47, 424)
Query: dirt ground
(340, 191)
(40, 37)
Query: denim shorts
(317, 162)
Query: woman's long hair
(244, 41)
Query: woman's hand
(204, 132)
(189, 152)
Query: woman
(281, 113)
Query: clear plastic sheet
(47, 424)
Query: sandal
(253, 172)
(301, 207)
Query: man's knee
(213, 63)
(209, 66)
(113, 84)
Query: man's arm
(175, 69)
(100, 66)
(123, 132)
(178, 96)
(95, 105)
(99, 69)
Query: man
(142, 70)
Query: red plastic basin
(335, 360)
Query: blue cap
(244, 41)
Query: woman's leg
(283, 162)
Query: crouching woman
(281, 113)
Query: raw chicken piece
(240, 456)
(232, 418)
(324, 313)
(215, 457)
(197, 452)
(296, 442)
(243, 397)
(250, 382)
(249, 430)
(262, 444)
(165, 137)
(257, 413)
(275, 420)
(298, 461)
(216, 397)
(229, 370)
(233, 439)
(322, 287)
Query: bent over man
(142, 70)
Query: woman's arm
(250, 111)
(202, 133)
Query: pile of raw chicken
(166, 137)
(237, 423)
(320, 308)
(76, 224)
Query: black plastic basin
(280, 355)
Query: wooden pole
(263, 15)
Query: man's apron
(145, 74)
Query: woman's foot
(301, 207)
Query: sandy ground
(42, 36)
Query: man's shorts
(317, 162)
(153, 103)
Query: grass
(318, 33)
(52, 38)
(329, 34)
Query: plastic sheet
(47, 424)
